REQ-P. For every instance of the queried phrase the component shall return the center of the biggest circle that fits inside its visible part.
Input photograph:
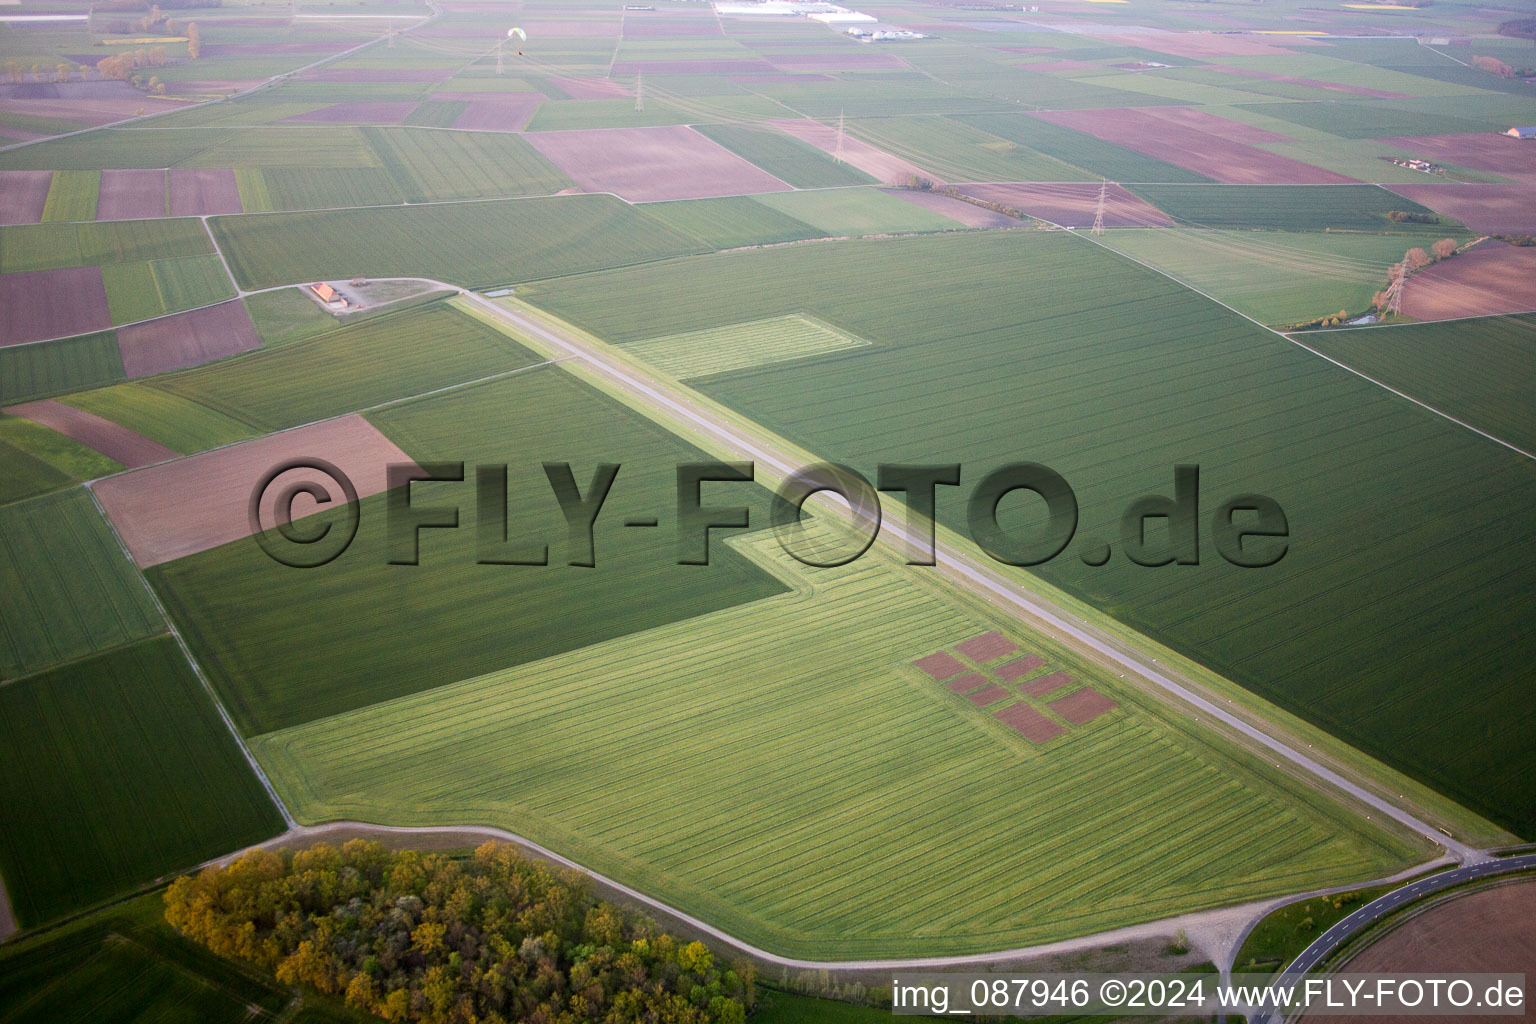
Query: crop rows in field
(785, 157)
(725, 778)
(48, 246)
(1079, 149)
(34, 460)
(730, 221)
(162, 416)
(68, 591)
(978, 345)
(1287, 207)
(151, 288)
(956, 151)
(72, 196)
(54, 367)
(1479, 371)
(451, 618)
(435, 166)
(856, 211)
(116, 770)
(470, 244)
(722, 349)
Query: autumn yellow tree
(1444, 248)
(194, 41)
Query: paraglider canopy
(517, 32)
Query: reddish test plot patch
(591, 88)
(1046, 684)
(1211, 148)
(358, 113)
(957, 210)
(117, 443)
(648, 164)
(187, 339)
(728, 66)
(1492, 278)
(1311, 83)
(1083, 706)
(991, 695)
(131, 195)
(23, 195)
(1029, 723)
(179, 508)
(1484, 151)
(500, 112)
(987, 647)
(852, 61)
(1073, 204)
(1019, 669)
(940, 665)
(877, 163)
(1491, 209)
(201, 193)
(36, 305)
(969, 681)
(379, 74)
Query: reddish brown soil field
(262, 49)
(180, 508)
(877, 163)
(1226, 128)
(1492, 278)
(691, 67)
(987, 647)
(1029, 723)
(647, 28)
(1073, 203)
(1196, 141)
(358, 113)
(591, 88)
(1491, 209)
(500, 112)
(39, 304)
(131, 195)
(198, 193)
(970, 681)
(187, 339)
(1019, 669)
(646, 164)
(1083, 706)
(1311, 83)
(88, 111)
(940, 665)
(991, 695)
(379, 74)
(584, 29)
(1485, 931)
(769, 78)
(854, 61)
(1484, 151)
(23, 195)
(1201, 44)
(116, 442)
(1046, 684)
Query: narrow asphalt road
(976, 575)
(1379, 908)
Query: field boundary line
(197, 669)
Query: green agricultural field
(1288, 207)
(979, 347)
(857, 211)
(739, 346)
(162, 416)
(439, 166)
(785, 157)
(1079, 149)
(69, 591)
(72, 196)
(116, 770)
(291, 146)
(113, 147)
(380, 360)
(54, 367)
(957, 151)
(464, 244)
(450, 618)
(46, 246)
(1371, 120)
(151, 288)
(315, 188)
(34, 460)
(1277, 277)
(731, 221)
(722, 777)
(1481, 371)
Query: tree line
(492, 939)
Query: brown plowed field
(957, 210)
(1492, 278)
(987, 647)
(1483, 151)
(40, 304)
(1046, 684)
(1083, 706)
(940, 665)
(1491, 209)
(131, 195)
(179, 508)
(1072, 204)
(23, 195)
(187, 339)
(116, 442)
(877, 163)
(648, 164)
(201, 193)
(1019, 669)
